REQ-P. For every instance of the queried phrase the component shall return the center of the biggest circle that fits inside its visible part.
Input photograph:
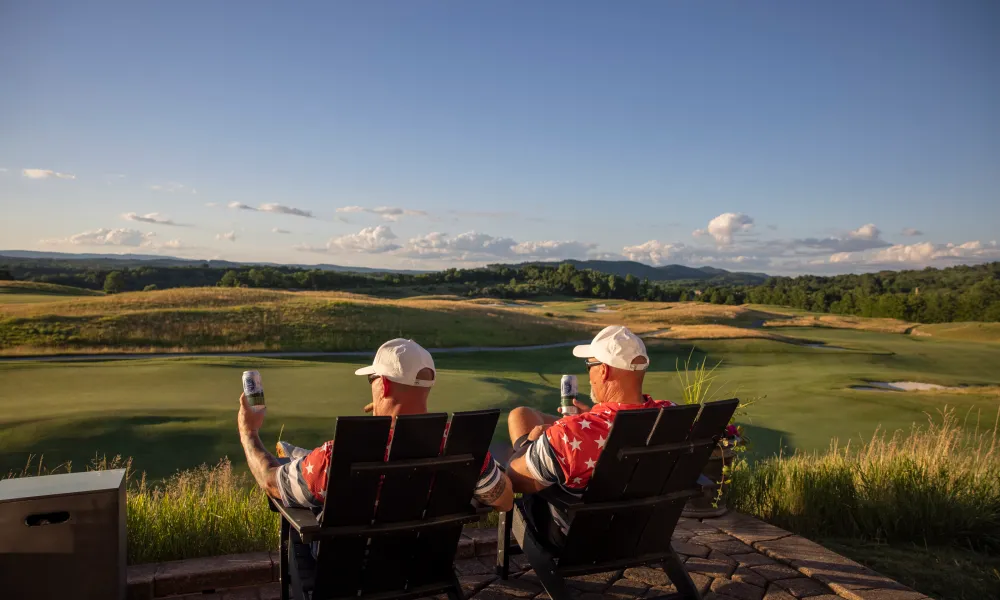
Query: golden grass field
(46, 319)
(224, 319)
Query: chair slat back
(350, 501)
(711, 423)
(434, 553)
(393, 562)
(402, 498)
(608, 483)
(654, 457)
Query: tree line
(961, 293)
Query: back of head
(623, 363)
(401, 377)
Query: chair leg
(455, 593)
(679, 576)
(284, 577)
(503, 543)
(540, 558)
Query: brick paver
(734, 557)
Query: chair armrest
(555, 496)
(301, 519)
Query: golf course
(798, 370)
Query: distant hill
(666, 273)
(153, 260)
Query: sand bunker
(600, 308)
(908, 386)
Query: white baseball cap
(400, 361)
(615, 345)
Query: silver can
(253, 389)
(567, 394)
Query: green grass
(178, 413)
(30, 292)
(968, 332)
(921, 508)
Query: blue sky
(779, 136)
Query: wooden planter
(705, 506)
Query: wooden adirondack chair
(649, 467)
(388, 528)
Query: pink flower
(732, 431)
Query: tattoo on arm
(262, 465)
(490, 497)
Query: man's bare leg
(522, 420)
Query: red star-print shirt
(302, 482)
(568, 451)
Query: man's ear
(386, 386)
(605, 372)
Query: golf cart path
(141, 355)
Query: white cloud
(272, 208)
(911, 232)
(107, 237)
(45, 174)
(655, 252)
(554, 249)
(475, 246)
(279, 230)
(915, 256)
(285, 210)
(866, 237)
(4, 169)
(725, 226)
(388, 213)
(470, 246)
(172, 187)
(370, 240)
(229, 237)
(866, 232)
(174, 245)
(155, 218)
(211, 204)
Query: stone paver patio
(734, 557)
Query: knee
(519, 421)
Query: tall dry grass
(938, 484)
(207, 511)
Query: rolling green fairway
(176, 413)
(28, 292)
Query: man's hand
(580, 407)
(537, 432)
(263, 465)
(248, 420)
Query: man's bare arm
(263, 464)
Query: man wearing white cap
(401, 378)
(563, 451)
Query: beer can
(567, 394)
(253, 389)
